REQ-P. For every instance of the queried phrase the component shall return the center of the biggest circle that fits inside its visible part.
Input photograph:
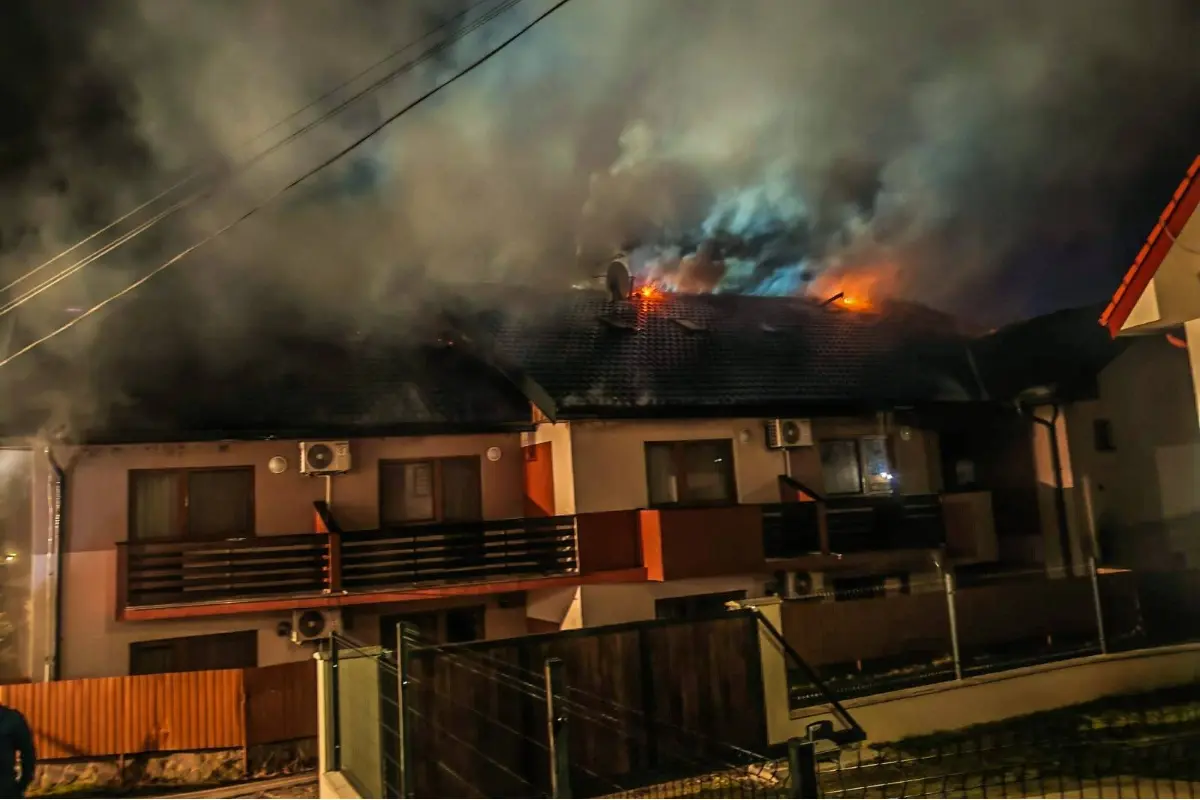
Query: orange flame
(861, 288)
(648, 291)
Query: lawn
(1145, 745)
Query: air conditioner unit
(324, 458)
(315, 624)
(784, 433)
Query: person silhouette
(15, 738)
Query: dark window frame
(434, 625)
(183, 501)
(437, 487)
(695, 606)
(863, 489)
(182, 647)
(1103, 440)
(678, 448)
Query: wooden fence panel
(281, 702)
(642, 698)
(704, 688)
(1008, 612)
(852, 630)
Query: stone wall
(184, 770)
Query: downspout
(1060, 492)
(56, 496)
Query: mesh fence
(1145, 746)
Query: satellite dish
(617, 280)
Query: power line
(279, 193)
(226, 175)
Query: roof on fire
(712, 354)
(575, 354)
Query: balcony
(846, 526)
(297, 570)
(170, 579)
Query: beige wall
(609, 458)
(94, 643)
(1145, 490)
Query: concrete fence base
(180, 769)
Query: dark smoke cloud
(947, 139)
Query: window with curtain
(690, 473)
(191, 504)
(435, 490)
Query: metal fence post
(953, 626)
(556, 729)
(1094, 575)
(405, 634)
(333, 752)
(802, 768)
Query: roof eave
(314, 432)
(1158, 244)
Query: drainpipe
(1060, 493)
(57, 501)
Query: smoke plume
(763, 146)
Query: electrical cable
(293, 184)
(217, 167)
(245, 165)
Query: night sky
(1037, 196)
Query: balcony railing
(853, 525)
(184, 572)
(907, 522)
(791, 530)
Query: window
(694, 605)
(449, 626)
(191, 503)
(238, 650)
(856, 466)
(690, 473)
(435, 490)
(1102, 433)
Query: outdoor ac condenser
(324, 458)
(785, 433)
(314, 624)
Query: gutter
(57, 499)
(1060, 492)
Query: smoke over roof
(943, 139)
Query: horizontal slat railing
(458, 553)
(165, 573)
(908, 522)
(179, 572)
(791, 530)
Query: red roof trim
(1173, 219)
